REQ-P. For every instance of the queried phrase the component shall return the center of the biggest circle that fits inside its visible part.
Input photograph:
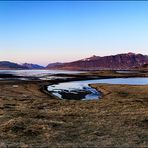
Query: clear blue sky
(44, 32)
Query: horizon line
(68, 61)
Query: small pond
(80, 90)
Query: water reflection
(81, 89)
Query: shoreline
(43, 84)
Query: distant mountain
(32, 66)
(53, 65)
(10, 65)
(112, 62)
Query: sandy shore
(30, 117)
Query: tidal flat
(31, 117)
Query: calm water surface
(127, 71)
(69, 87)
(37, 72)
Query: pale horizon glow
(46, 32)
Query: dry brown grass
(30, 118)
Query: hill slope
(119, 61)
(10, 65)
(32, 66)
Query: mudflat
(30, 117)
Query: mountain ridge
(10, 65)
(6, 65)
(123, 61)
(32, 66)
(113, 62)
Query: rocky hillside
(53, 65)
(119, 61)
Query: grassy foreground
(30, 118)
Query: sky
(62, 31)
